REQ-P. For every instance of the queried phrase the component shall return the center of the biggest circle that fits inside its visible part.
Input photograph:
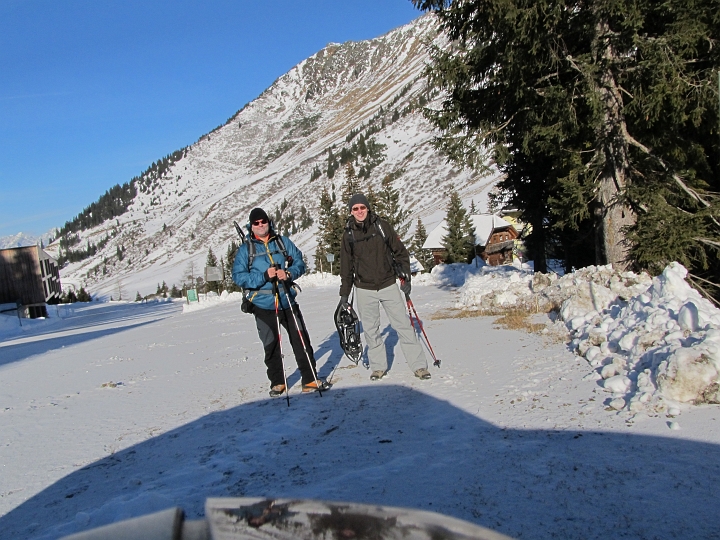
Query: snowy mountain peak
(359, 101)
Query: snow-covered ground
(113, 410)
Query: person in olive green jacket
(371, 258)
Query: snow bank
(212, 299)
(665, 341)
(449, 275)
(318, 279)
(651, 341)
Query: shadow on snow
(393, 445)
(77, 329)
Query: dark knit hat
(358, 198)
(258, 213)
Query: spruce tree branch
(713, 243)
(691, 192)
(625, 91)
(702, 290)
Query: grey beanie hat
(358, 198)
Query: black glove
(405, 287)
(344, 302)
(267, 277)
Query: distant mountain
(23, 239)
(358, 101)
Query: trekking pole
(302, 339)
(422, 329)
(282, 356)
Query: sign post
(213, 273)
(192, 295)
(330, 258)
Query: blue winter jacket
(254, 277)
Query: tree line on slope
(459, 242)
(113, 203)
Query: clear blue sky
(93, 91)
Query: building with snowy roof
(494, 239)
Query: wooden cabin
(29, 279)
(494, 240)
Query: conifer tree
(332, 164)
(83, 296)
(175, 292)
(617, 100)
(228, 284)
(459, 242)
(330, 230)
(211, 260)
(351, 185)
(388, 207)
(424, 256)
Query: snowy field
(113, 410)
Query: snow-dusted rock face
(267, 153)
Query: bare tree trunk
(612, 214)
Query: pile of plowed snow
(654, 342)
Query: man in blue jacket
(261, 278)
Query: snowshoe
(348, 327)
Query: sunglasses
(359, 208)
(259, 222)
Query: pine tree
(424, 256)
(83, 295)
(330, 230)
(388, 207)
(138, 298)
(332, 164)
(175, 292)
(211, 260)
(351, 186)
(473, 210)
(617, 100)
(229, 284)
(459, 242)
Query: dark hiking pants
(268, 332)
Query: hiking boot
(313, 386)
(377, 375)
(277, 390)
(422, 373)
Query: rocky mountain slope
(362, 99)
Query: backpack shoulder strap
(281, 244)
(351, 237)
(251, 252)
(394, 264)
(378, 226)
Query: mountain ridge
(364, 97)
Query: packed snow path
(150, 408)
